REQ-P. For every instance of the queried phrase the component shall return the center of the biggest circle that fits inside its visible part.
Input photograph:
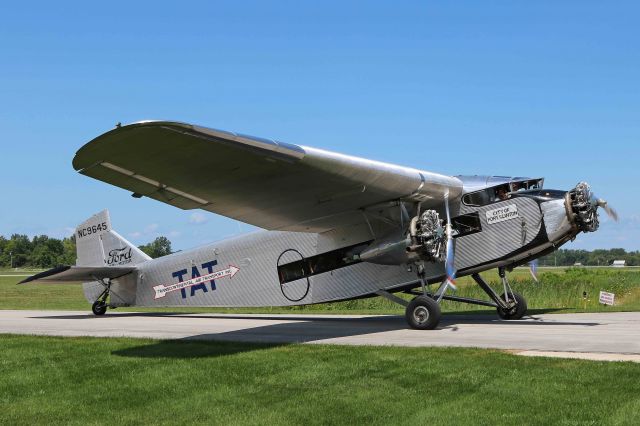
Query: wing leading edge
(267, 183)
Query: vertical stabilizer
(97, 244)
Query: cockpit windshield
(500, 192)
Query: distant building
(619, 263)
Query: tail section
(97, 244)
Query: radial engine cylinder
(425, 240)
(582, 207)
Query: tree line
(600, 257)
(41, 251)
(20, 251)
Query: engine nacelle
(428, 237)
(425, 241)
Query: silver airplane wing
(267, 183)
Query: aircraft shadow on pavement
(304, 330)
(383, 322)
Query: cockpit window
(525, 185)
(499, 192)
(487, 196)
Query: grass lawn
(130, 381)
(560, 290)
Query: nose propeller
(605, 206)
(584, 206)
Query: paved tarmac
(606, 336)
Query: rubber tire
(426, 305)
(516, 312)
(99, 307)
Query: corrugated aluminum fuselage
(530, 226)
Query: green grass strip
(52, 380)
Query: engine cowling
(424, 241)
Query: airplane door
(294, 278)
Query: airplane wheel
(423, 313)
(99, 307)
(517, 311)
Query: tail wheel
(423, 313)
(517, 309)
(99, 307)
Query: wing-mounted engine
(427, 235)
(425, 240)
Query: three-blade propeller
(599, 202)
(605, 206)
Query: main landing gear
(100, 306)
(423, 312)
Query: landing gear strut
(423, 312)
(517, 307)
(510, 305)
(100, 306)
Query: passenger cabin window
(318, 264)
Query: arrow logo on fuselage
(162, 290)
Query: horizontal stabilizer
(78, 274)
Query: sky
(544, 88)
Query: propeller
(605, 206)
(451, 273)
(585, 207)
(600, 202)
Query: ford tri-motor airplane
(336, 227)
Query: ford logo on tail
(119, 256)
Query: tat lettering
(194, 274)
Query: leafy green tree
(159, 247)
(3, 246)
(590, 258)
(68, 256)
(46, 252)
(19, 247)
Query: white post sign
(606, 298)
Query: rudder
(97, 244)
